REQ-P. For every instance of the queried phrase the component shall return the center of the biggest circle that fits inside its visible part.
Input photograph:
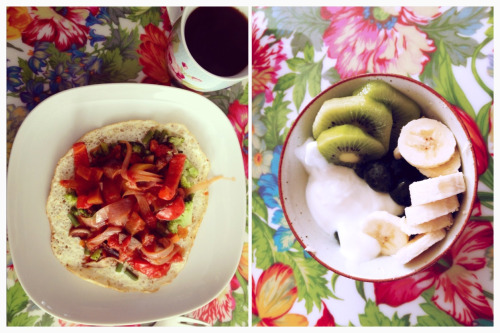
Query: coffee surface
(217, 38)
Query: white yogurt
(339, 201)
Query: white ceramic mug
(181, 64)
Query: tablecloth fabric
(53, 49)
(296, 53)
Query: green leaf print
(145, 15)
(374, 317)
(435, 316)
(286, 81)
(335, 277)
(258, 206)
(285, 20)
(47, 320)
(439, 75)
(360, 287)
(17, 300)
(57, 57)
(23, 319)
(275, 119)
(125, 41)
(331, 75)
(262, 243)
(452, 27)
(305, 76)
(26, 72)
(309, 276)
(483, 120)
(115, 13)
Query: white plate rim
(107, 101)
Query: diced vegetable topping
(128, 201)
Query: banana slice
(438, 188)
(436, 224)
(426, 143)
(447, 168)
(418, 214)
(419, 244)
(386, 229)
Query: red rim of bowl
(304, 110)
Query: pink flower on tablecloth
(458, 291)
(153, 55)
(267, 55)
(63, 27)
(238, 116)
(219, 309)
(378, 40)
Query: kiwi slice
(348, 145)
(362, 111)
(403, 108)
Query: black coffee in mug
(217, 38)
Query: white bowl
(293, 178)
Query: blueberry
(377, 175)
(401, 169)
(401, 193)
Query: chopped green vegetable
(137, 148)
(185, 183)
(188, 172)
(184, 220)
(74, 220)
(161, 136)
(70, 198)
(86, 251)
(149, 135)
(96, 255)
(80, 211)
(119, 267)
(131, 274)
(104, 148)
(175, 140)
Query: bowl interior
(293, 179)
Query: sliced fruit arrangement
(376, 109)
(418, 245)
(386, 229)
(404, 109)
(381, 134)
(348, 144)
(426, 143)
(364, 112)
(433, 200)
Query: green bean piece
(96, 255)
(119, 267)
(149, 135)
(74, 220)
(131, 274)
(104, 148)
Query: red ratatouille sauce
(127, 194)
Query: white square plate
(49, 132)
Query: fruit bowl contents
(387, 176)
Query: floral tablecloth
(53, 49)
(297, 52)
